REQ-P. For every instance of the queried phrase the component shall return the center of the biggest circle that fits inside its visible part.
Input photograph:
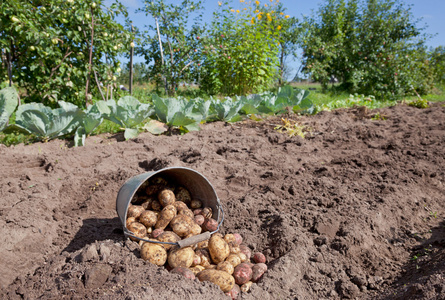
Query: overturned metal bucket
(198, 186)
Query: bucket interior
(198, 186)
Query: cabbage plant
(8, 103)
(46, 123)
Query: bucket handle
(187, 242)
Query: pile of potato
(162, 211)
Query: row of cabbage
(133, 116)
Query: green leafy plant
(292, 128)
(46, 123)
(227, 110)
(177, 112)
(91, 119)
(8, 103)
(128, 112)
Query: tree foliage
(170, 46)
(47, 46)
(371, 46)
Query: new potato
(224, 280)
(218, 248)
(154, 253)
(181, 257)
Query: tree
(438, 64)
(372, 46)
(61, 49)
(171, 46)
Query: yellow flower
(242, 1)
(219, 3)
(257, 11)
(271, 0)
(257, 2)
(281, 13)
(269, 18)
(232, 10)
(259, 17)
(245, 8)
(252, 21)
(265, 5)
(237, 10)
(286, 16)
(278, 27)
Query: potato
(154, 253)
(234, 248)
(195, 229)
(166, 197)
(167, 214)
(195, 204)
(245, 288)
(203, 244)
(156, 233)
(205, 256)
(197, 211)
(234, 292)
(242, 273)
(181, 257)
(168, 236)
(187, 212)
(218, 248)
(258, 271)
(134, 211)
(158, 180)
(181, 225)
(196, 260)
(238, 238)
(148, 218)
(182, 194)
(230, 238)
(187, 273)
(129, 221)
(226, 267)
(259, 257)
(244, 249)
(156, 205)
(180, 205)
(197, 269)
(147, 203)
(243, 257)
(234, 259)
(207, 212)
(224, 280)
(210, 225)
(152, 189)
(138, 230)
(211, 267)
(199, 219)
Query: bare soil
(354, 211)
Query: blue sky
(431, 11)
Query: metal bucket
(198, 186)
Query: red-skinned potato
(259, 257)
(199, 219)
(242, 273)
(187, 273)
(210, 225)
(156, 233)
(238, 238)
(258, 271)
(234, 292)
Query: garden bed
(355, 210)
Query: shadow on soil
(93, 230)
